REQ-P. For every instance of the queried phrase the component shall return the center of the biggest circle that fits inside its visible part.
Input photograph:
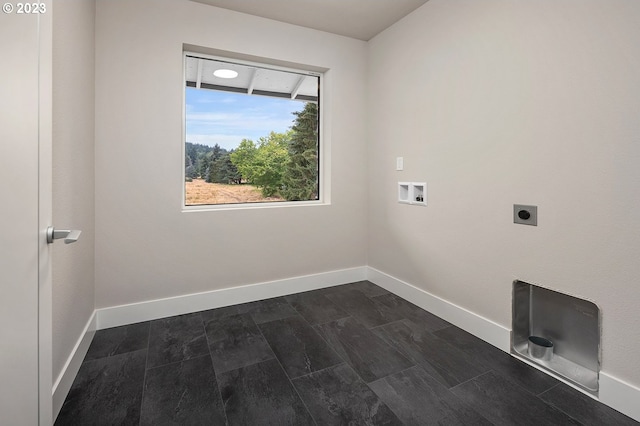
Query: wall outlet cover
(525, 215)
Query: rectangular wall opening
(558, 332)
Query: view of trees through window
(245, 145)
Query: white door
(25, 210)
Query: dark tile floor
(347, 355)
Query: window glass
(251, 133)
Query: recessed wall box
(419, 195)
(525, 215)
(414, 193)
(404, 192)
(557, 332)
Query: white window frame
(323, 162)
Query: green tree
(216, 153)
(243, 157)
(263, 165)
(225, 171)
(189, 168)
(270, 162)
(300, 181)
(195, 159)
(202, 164)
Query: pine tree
(225, 171)
(300, 181)
(213, 156)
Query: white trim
(613, 392)
(620, 395)
(324, 140)
(72, 366)
(261, 63)
(160, 308)
(475, 324)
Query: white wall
(146, 247)
(500, 102)
(73, 172)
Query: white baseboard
(613, 392)
(178, 305)
(72, 366)
(620, 395)
(475, 324)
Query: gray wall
(494, 103)
(146, 247)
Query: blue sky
(226, 118)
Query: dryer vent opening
(558, 332)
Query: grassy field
(201, 192)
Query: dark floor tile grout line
(370, 329)
(323, 369)
(448, 390)
(547, 390)
(475, 377)
(388, 323)
(557, 408)
(399, 372)
(400, 351)
(529, 391)
(108, 357)
(215, 373)
(330, 321)
(304, 404)
(397, 349)
(144, 378)
(313, 327)
(176, 362)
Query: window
(251, 133)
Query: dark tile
(444, 362)
(584, 409)
(315, 307)
(298, 346)
(267, 310)
(322, 291)
(418, 399)
(219, 313)
(504, 403)
(182, 393)
(261, 394)
(118, 340)
(370, 356)
(366, 287)
(412, 312)
(337, 396)
(366, 310)
(176, 339)
(535, 381)
(235, 342)
(106, 391)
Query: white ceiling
(361, 19)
